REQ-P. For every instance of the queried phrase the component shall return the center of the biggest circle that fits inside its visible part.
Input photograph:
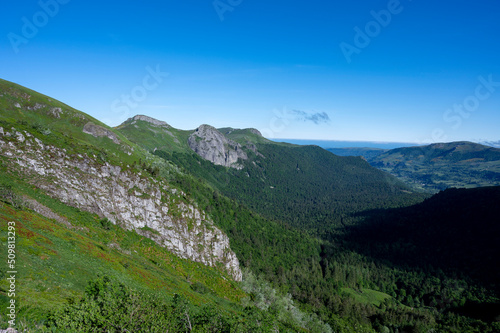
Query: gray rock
(130, 200)
(8, 330)
(150, 120)
(56, 112)
(20, 136)
(99, 131)
(212, 145)
(36, 107)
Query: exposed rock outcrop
(99, 131)
(150, 120)
(213, 146)
(158, 126)
(134, 201)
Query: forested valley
(375, 259)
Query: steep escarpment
(212, 145)
(125, 197)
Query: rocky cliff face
(213, 146)
(134, 201)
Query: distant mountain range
(437, 166)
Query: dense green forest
(306, 187)
(342, 280)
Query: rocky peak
(150, 120)
(212, 145)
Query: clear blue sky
(417, 72)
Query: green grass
(55, 262)
(151, 137)
(63, 130)
(366, 296)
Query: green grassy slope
(245, 136)
(55, 261)
(155, 137)
(61, 125)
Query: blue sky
(407, 71)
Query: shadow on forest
(488, 312)
(456, 231)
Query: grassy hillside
(57, 258)
(154, 137)
(61, 125)
(439, 166)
